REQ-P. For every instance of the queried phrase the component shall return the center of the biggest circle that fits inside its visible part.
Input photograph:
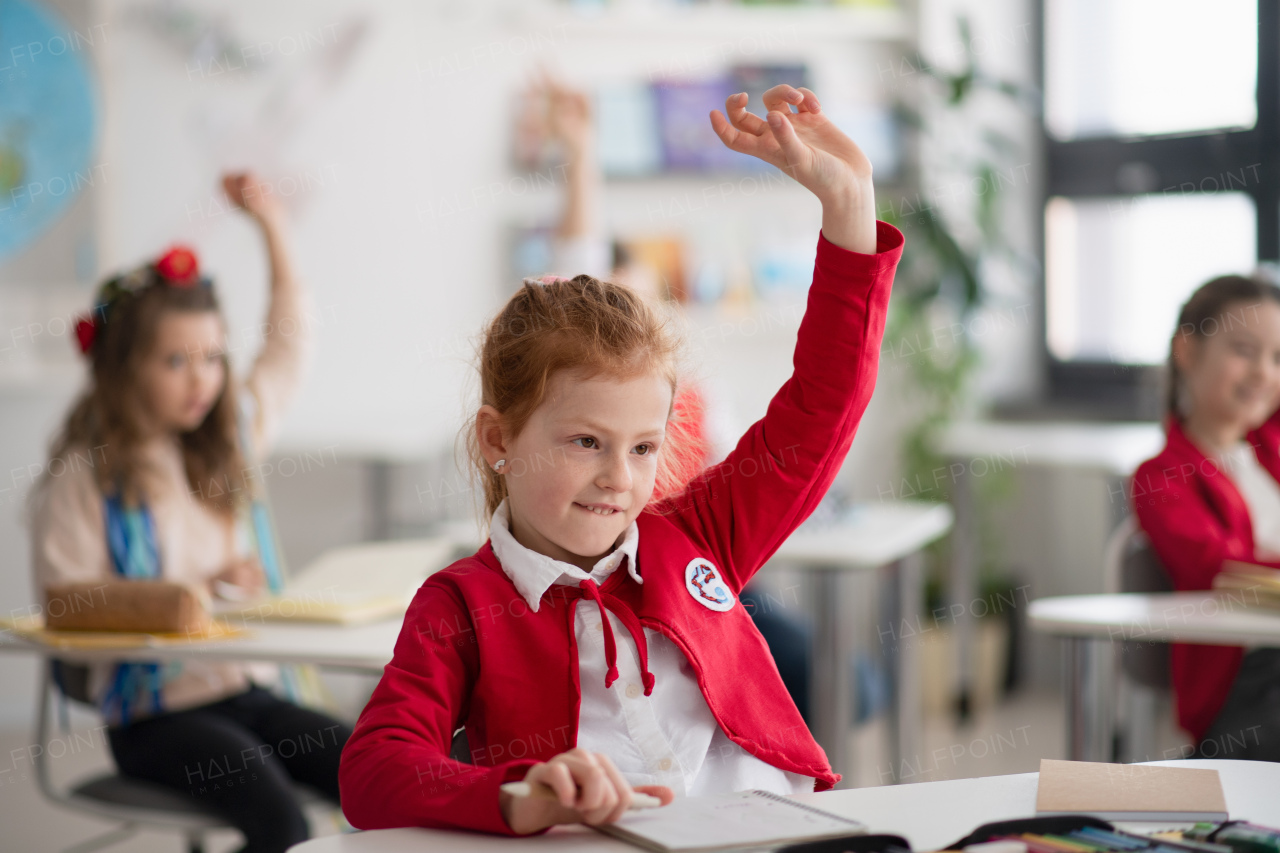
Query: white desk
(928, 814)
(866, 537)
(365, 648)
(1089, 624)
(1113, 449)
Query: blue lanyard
(131, 541)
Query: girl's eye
(644, 449)
(585, 441)
(174, 362)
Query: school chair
(134, 803)
(1131, 565)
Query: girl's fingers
(782, 96)
(595, 791)
(736, 108)
(810, 103)
(556, 776)
(793, 150)
(744, 143)
(729, 135)
(621, 787)
(662, 792)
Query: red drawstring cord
(623, 612)
(610, 648)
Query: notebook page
(734, 820)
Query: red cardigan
(471, 652)
(1196, 519)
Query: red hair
(585, 324)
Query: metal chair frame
(135, 804)
(1142, 674)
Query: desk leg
(902, 595)
(962, 586)
(1088, 696)
(830, 687)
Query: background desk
(865, 537)
(1114, 449)
(1089, 624)
(364, 648)
(928, 814)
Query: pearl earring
(497, 466)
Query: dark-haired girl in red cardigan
(1212, 496)
(596, 644)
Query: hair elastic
(546, 279)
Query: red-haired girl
(595, 644)
(156, 481)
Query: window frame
(1091, 167)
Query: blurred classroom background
(1065, 173)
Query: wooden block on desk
(1129, 791)
(140, 606)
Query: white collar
(533, 573)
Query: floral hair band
(177, 267)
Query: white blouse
(1261, 495)
(667, 738)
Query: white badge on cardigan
(707, 587)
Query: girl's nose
(616, 475)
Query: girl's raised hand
(589, 789)
(252, 195)
(809, 148)
(804, 144)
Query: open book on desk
(349, 586)
(748, 820)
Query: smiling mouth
(597, 510)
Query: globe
(48, 120)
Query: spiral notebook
(748, 820)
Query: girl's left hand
(251, 194)
(245, 575)
(804, 144)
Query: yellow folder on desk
(350, 586)
(32, 628)
(1259, 584)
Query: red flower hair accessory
(86, 331)
(179, 267)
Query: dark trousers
(241, 756)
(1248, 726)
(788, 639)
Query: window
(1127, 67)
(1162, 123)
